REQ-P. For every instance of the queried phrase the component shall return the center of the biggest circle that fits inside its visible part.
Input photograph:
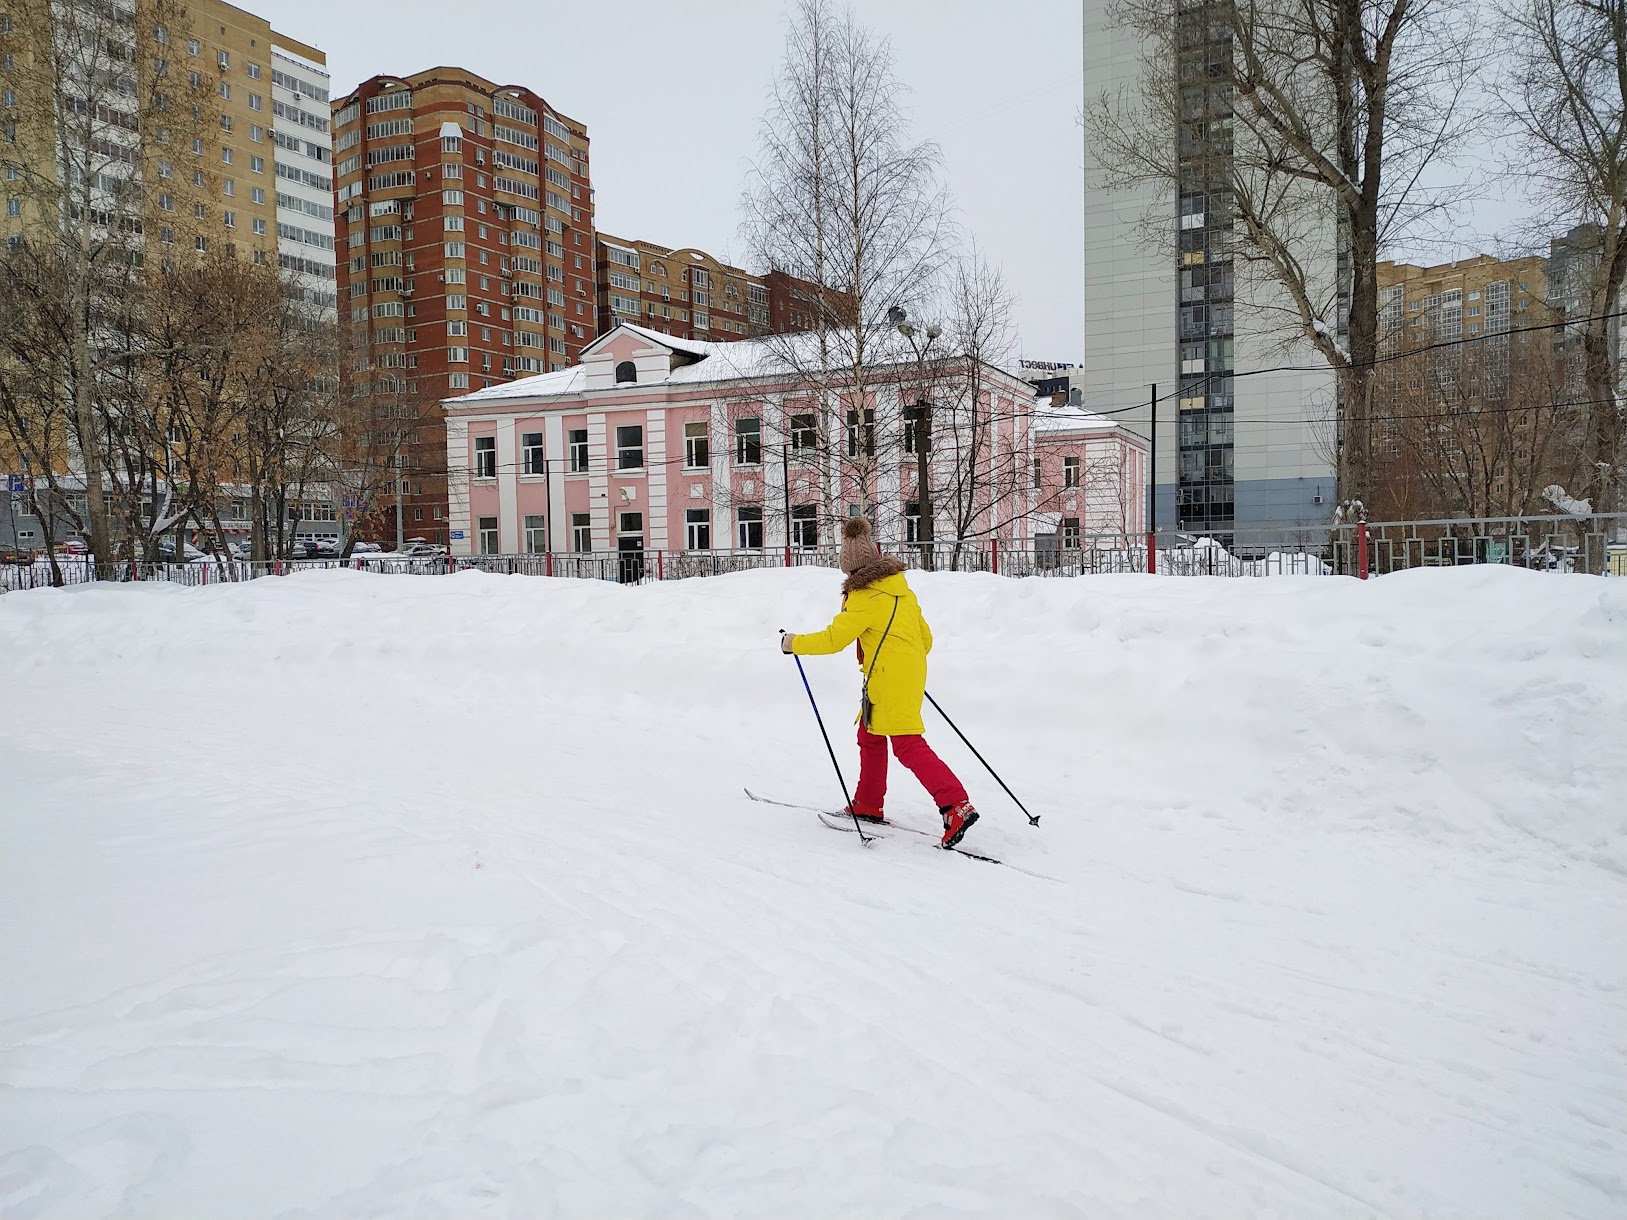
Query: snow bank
(359, 895)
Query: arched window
(626, 371)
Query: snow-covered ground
(355, 895)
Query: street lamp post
(923, 430)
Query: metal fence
(1596, 544)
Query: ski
(844, 822)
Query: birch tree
(841, 198)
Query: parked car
(328, 548)
(166, 551)
(12, 554)
(365, 548)
(417, 548)
(73, 546)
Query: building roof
(772, 356)
(1068, 418)
(738, 360)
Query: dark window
(749, 519)
(804, 433)
(868, 434)
(805, 526)
(630, 447)
(579, 450)
(1070, 472)
(531, 448)
(699, 523)
(488, 535)
(697, 446)
(582, 532)
(486, 458)
(626, 371)
(748, 442)
(913, 429)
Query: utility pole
(785, 473)
(923, 432)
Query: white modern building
(1237, 446)
(302, 130)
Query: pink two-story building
(654, 443)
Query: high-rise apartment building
(1241, 440)
(465, 223)
(302, 131)
(689, 294)
(1472, 297)
(225, 182)
(685, 293)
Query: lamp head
(896, 315)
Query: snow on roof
(737, 360)
(1068, 418)
(543, 385)
(693, 347)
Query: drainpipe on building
(1152, 491)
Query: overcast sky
(672, 94)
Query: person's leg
(872, 788)
(932, 771)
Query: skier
(880, 612)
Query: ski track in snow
(358, 895)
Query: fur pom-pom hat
(858, 548)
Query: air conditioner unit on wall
(1316, 499)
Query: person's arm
(843, 630)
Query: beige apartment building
(245, 162)
(1465, 420)
(689, 294)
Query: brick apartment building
(689, 294)
(466, 251)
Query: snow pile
(359, 895)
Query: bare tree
(1564, 98)
(383, 414)
(975, 475)
(1476, 429)
(1304, 132)
(293, 413)
(841, 200)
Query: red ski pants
(914, 753)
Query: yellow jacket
(898, 672)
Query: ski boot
(957, 820)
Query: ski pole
(863, 838)
(1032, 820)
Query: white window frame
(485, 457)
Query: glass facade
(1205, 497)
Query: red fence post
(1361, 550)
(661, 567)
(1152, 553)
(548, 563)
(994, 556)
